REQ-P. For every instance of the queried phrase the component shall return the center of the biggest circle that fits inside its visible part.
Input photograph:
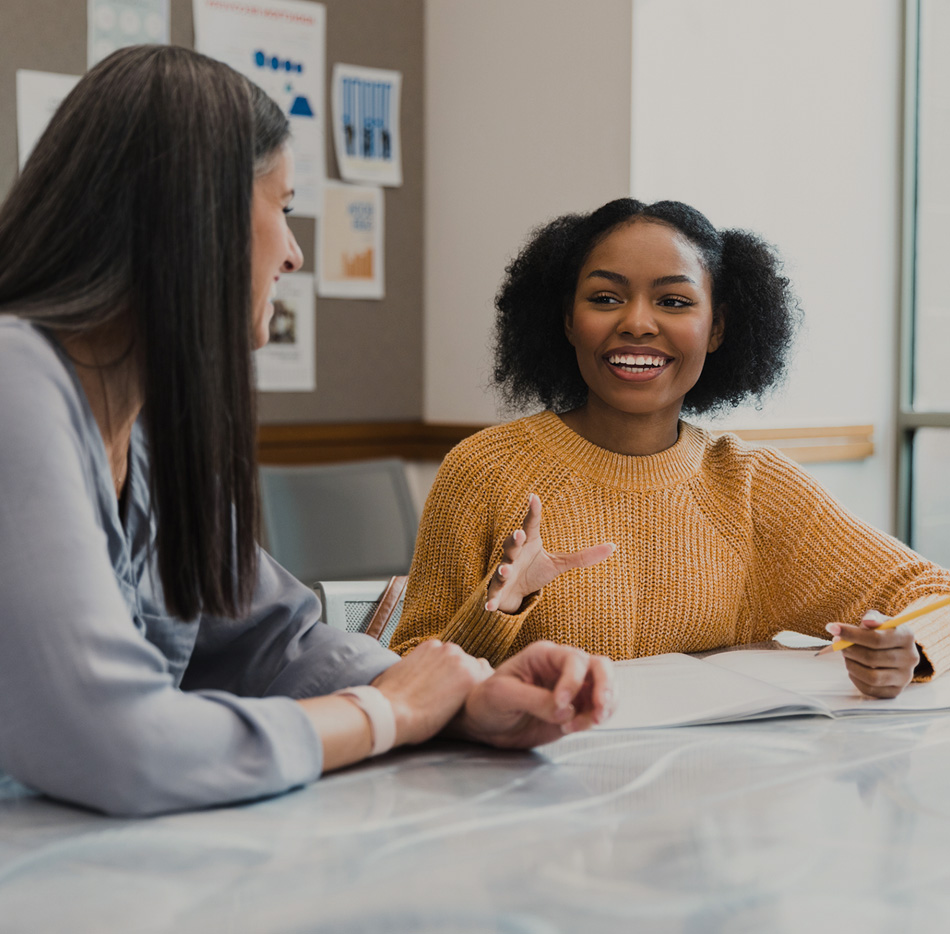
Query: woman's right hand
(428, 687)
(526, 566)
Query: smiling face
(641, 324)
(273, 247)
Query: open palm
(526, 566)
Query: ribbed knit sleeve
(457, 547)
(814, 562)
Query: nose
(639, 319)
(294, 259)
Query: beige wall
(785, 118)
(527, 116)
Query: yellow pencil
(891, 623)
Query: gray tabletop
(805, 824)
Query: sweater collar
(674, 465)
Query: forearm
(344, 730)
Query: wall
(527, 117)
(785, 118)
(369, 353)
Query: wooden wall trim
(351, 441)
(322, 443)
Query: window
(924, 371)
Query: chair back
(373, 607)
(340, 521)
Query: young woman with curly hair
(617, 322)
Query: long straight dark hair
(134, 211)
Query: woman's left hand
(537, 696)
(881, 663)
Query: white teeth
(636, 360)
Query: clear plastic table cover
(795, 825)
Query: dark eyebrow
(607, 274)
(672, 280)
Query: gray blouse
(105, 699)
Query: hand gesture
(537, 696)
(880, 663)
(526, 566)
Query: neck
(108, 372)
(630, 433)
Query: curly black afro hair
(535, 363)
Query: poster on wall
(365, 114)
(38, 94)
(288, 362)
(281, 46)
(350, 253)
(114, 24)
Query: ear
(569, 328)
(718, 330)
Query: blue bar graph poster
(365, 115)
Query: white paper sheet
(350, 245)
(38, 94)
(114, 24)
(281, 46)
(365, 114)
(288, 362)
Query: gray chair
(373, 607)
(339, 521)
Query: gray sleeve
(88, 709)
(282, 648)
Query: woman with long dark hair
(151, 656)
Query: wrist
(378, 710)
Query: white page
(826, 679)
(288, 362)
(677, 690)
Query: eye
(288, 209)
(604, 298)
(675, 301)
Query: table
(798, 825)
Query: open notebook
(679, 690)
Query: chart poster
(281, 46)
(350, 254)
(366, 124)
(114, 24)
(288, 362)
(38, 95)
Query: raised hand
(881, 663)
(538, 695)
(526, 566)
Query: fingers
(880, 662)
(532, 521)
(583, 558)
(870, 636)
(878, 682)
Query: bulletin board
(369, 352)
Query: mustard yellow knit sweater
(718, 544)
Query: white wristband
(379, 712)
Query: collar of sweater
(674, 465)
